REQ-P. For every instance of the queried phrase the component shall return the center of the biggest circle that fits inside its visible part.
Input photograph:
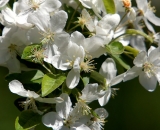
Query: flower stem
(47, 68)
(69, 23)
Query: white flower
(11, 18)
(147, 12)
(86, 20)
(108, 70)
(65, 116)
(11, 45)
(3, 3)
(91, 92)
(96, 5)
(98, 122)
(16, 87)
(105, 27)
(72, 58)
(29, 6)
(147, 68)
(51, 30)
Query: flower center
(37, 54)
(148, 69)
(35, 4)
(47, 36)
(88, 65)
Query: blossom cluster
(53, 48)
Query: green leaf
(17, 125)
(98, 78)
(121, 61)
(137, 32)
(110, 6)
(27, 77)
(33, 53)
(115, 48)
(50, 82)
(29, 119)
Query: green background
(133, 108)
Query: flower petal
(37, 18)
(140, 59)
(53, 120)
(104, 100)
(79, 126)
(73, 78)
(117, 79)
(58, 21)
(132, 73)
(16, 87)
(108, 69)
(63, 109)
(60, 62)
(91, 92)
(148, 83)
(152, 18)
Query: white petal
(138, 43)
(63, 109)
(102, 113)
(104, 100)
(53, 120)
(60, 62)
(34, 36)
(89, 22)
(142, 4)
(86, 3)
(9, 15)
(117, 79)
(149, 26)
(140, 59)
(75, 51)
(58, 21)
(91, 92)
(37, 18)
(13, 65)
(79, 126)
(148, 83)
(50, 5)
(16, 87)
(157, 74)
(21, 21)
(154, 54)
(49, 52)
(95, 46)
(152, 18)
(61, 40)
(132, 73)
(3, 3)
(4, 55)
(112, 20)
(73, 78)
(78, 38)
(32, 94)
(108, 69)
